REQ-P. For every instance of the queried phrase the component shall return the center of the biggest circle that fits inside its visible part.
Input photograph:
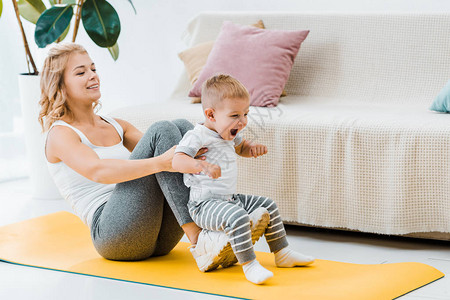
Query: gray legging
(137, 222)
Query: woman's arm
(131, 135)
(65, 145)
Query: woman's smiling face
(81, 81)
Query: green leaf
(101, 22)
(1, 7)
(52, 23)
(114, 51)
(70, 2)
(64, 34)
(31, 10)
(132, 5)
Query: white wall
(148, 65)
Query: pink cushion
(261, 59)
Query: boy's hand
(211, 170)
(257, 150)
(249, 149)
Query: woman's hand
(199, 156)
(200, 153)
(166, 160)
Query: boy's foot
(256, 273)
(287, 258)
(213, 248)
(259, 219)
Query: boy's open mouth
(233, 132)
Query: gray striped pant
(231, 216)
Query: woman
(133, 204)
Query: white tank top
(85, 195)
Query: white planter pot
(43, 186)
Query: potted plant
(99, 18)
(102, 24)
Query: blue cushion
(442, 101)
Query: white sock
(256, 273)
(287, 258)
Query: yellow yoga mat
(62, 242)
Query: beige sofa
(353, 145)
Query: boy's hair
(220, 87)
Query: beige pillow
(195, 58)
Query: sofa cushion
(260, 59)
(195, 58)
(442, 101)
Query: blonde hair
(221, 87)
(53, 97)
